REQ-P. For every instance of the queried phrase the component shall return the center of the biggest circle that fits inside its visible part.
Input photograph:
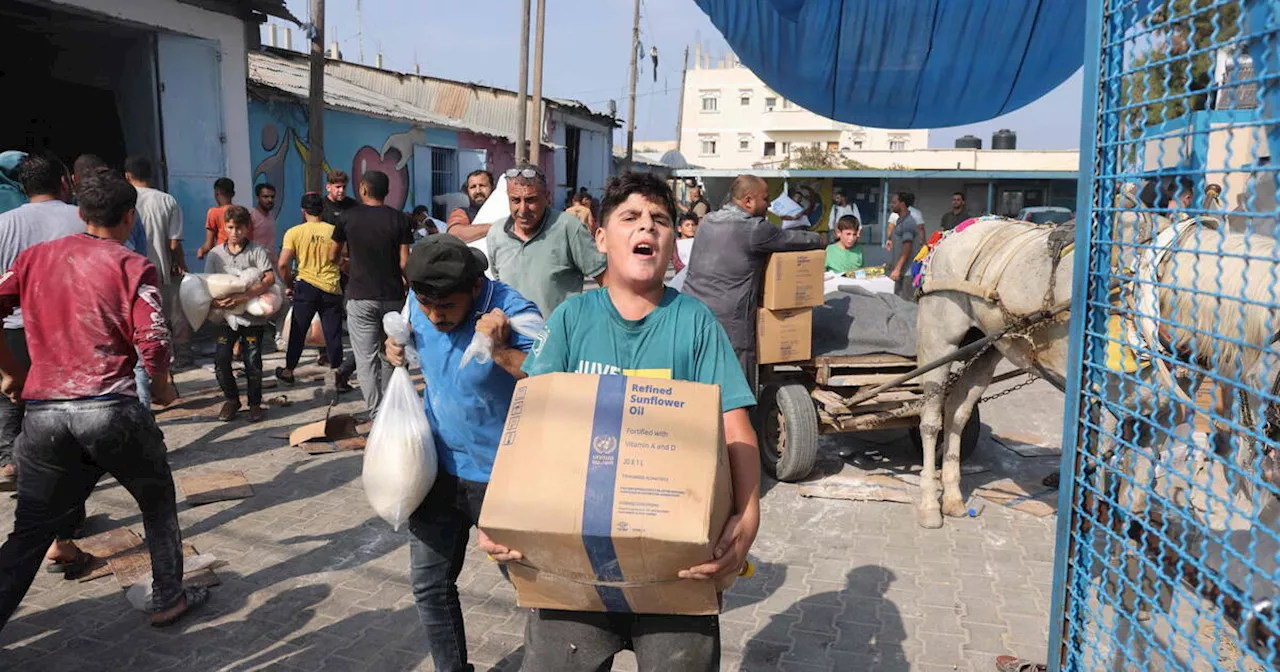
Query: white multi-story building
(731, 119)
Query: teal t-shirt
(680, 340)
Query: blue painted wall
(353, 143)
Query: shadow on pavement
(866, 632)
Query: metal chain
(1022, 332)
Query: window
(786, 148)
(744, 143)
(857, 144)
(770, 148)
(786, 104)
(710, 104)
(444, 177)
(815, 145)
(833, 145)
(744, 98)
(770, 103)
(709, 145)
(897, 145)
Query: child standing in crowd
(637, 323)
(224, 190)
(845, 254)
(237, 255)
(685, 232)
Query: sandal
(286, 378)
(77, 565)
(192, 598)
(1015, 664)
(1052, 480)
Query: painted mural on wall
(353, 143)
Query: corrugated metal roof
(475, 107)
(293, 77)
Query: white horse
(1220, 317)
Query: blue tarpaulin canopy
(906, 63)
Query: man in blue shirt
(636, 326)
(449, 303)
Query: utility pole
(535, 135)
(360, 30)
(522, 120)
(315, 121)
(684, 72)
(631, 106)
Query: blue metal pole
(991, 197)
(884, 210)
(1064, 550)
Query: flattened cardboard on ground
(332, 428)
(1035, 500)
(609, 486)
(794, 280)
(106, 546)
(861, 487)
(133, 566)
(1026, 446)
(784, 335)
(217, 486)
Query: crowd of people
(77, 355)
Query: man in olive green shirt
(543, 253)
(845, 254)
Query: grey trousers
(364, 327)
(179, 327)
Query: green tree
(1173, 76)
(816, 158)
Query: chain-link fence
(1169, 545)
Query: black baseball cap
(442, 262)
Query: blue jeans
(11, 413)
(64, 448)
(439, 530)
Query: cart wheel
(968, 438)
(788, 432)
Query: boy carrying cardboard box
(637, 326)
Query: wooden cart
(800, 401)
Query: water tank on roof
(1004, 139)
(968, 142)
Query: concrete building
(731, 119)
(161, 78)
(426, 133)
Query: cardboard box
(609, 486)
(794, 280)
(784, 335)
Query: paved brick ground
(314, 581)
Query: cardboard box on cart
(794, 280)
(784, 335)
(609, 486)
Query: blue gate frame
(1168, 543)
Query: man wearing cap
(450, 302)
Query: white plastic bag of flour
(529, 325)
(396, 325)
(222, 285)
(195, 299)
(400, 455)
(266, 304)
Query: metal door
(192, 129)
(1169, 533)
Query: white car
(1046, 214)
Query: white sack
(529, 325)
(400, 456)
(193, 295)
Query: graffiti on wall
(353, 143)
